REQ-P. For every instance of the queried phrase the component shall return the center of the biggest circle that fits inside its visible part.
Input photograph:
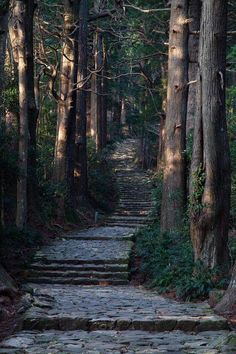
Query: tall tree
(193, 45)
(66, 106)
(20, 28)
(98, 120)
(97, 99)
(174, 185)
(4, 7)
(32, 106)
(210, 169)
(81, 119)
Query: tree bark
(228, 303)
(210, 169)
(174, 184)
(32, 106)
(193, 45)
(94, 106)
(66, 108)
(117, 110)
(21, 212)
(81, 119)
(104, 100)
(98, 68)
(3, 39)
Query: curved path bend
(80, 299)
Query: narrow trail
(81, 299)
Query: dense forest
(78, 76)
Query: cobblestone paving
(78, 307)
(92, 250)
(131, 342)
(69, 319)
(115, 232)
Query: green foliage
(232, 248)
(27, 237)
(231, 113)
(197, 284)
(189, 149)
(17, 247)
(102, 187)
(195, 199)
(167, 260)
(8, 155)
(156, 195)
(48, 190)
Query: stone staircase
(98, 256)
(80, 301)
(134, 189)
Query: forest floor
(79, 297)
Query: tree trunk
(161, 142)
(81, 119)
(193, 44)
(93, 106)
(3, 40)
(174, 184)
(66, 109)
(210, 169)
(98, 67)
(32, 107)
(104, 102)
(20, 16)
(117, 110)
(228, 303)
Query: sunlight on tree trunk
(20, 16)
(210, 170)
(66, 107)
(174, 179)
(3, 40)
(81, 119)
(193, 44)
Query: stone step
(131, 219)
(138, 201)
(135, 193)
(133, 213)
(119, 308)
(80, 268)
(99, 238)
(78, 281)
(131, 207)
(127, 201)
(112, 341)
(77, 274)
(117, 223)
(122, 177)
(131, 196)
(85, 262)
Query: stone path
(80, 301)
(96, 342)
(134, 187)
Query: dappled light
(117, 176)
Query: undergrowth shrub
(167, 261)
(17, 246)
(231, 115)
(156, 195)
